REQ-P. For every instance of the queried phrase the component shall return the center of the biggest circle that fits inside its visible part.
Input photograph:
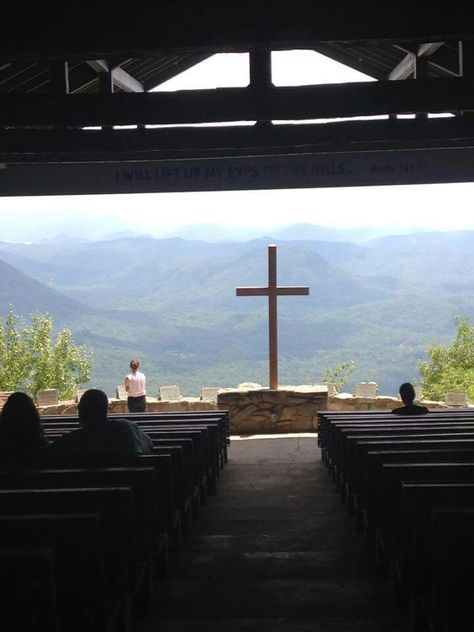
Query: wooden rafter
(119, 77)
(440, 57)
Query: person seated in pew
(407, 393)
(21, 434)
(99, 435)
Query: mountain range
(172, 303)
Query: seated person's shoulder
(422, 410)
(410, 410)
(121, 425)
(141, 441)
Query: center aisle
(273, 551)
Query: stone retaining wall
(120, 406)
(346, 402)
(273, 411)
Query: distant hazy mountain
(123, 234)
(451, 240)
(322, 233)
(215, 233)
(63, 238)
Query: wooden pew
(123, 573)
(166, 503)
(386, 501)
(348, 442)
(190, 450)
(190, 469)
(381, 524)
(368, 455)
(84, 601)
(327, 422)
(204, 441)
(450, 605)
(338, 429)
(181, 474)
(381, 457)
(411, 558)
(192, 462)
(28, 589)
(205, 449)
(220, 419)
(212, 441)
(152, 542)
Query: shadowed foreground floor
(273, 551)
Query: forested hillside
(171, 302)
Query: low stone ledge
(62, 408)
(272, 411)
(119, 406)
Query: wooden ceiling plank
(220, 26)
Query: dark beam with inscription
(217, 25)
(234, 104)
(245, 173)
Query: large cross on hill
(272, 291)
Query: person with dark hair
(407, 394)
(99, 435)
(135, 385)
(21, 435)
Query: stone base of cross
(272, 290)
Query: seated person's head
(20, 422)
(93, 406)
(407, 393)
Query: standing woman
(135, 385)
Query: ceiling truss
(46, 104)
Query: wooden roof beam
(404, 69)
(237, 104)
(407, 67)
(438, 56)
(120, 77)
(192, 142)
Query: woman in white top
(135, 384)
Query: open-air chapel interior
(364, 525)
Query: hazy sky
(446, 206)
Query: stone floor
(273, 551)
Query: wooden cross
(272, 291)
